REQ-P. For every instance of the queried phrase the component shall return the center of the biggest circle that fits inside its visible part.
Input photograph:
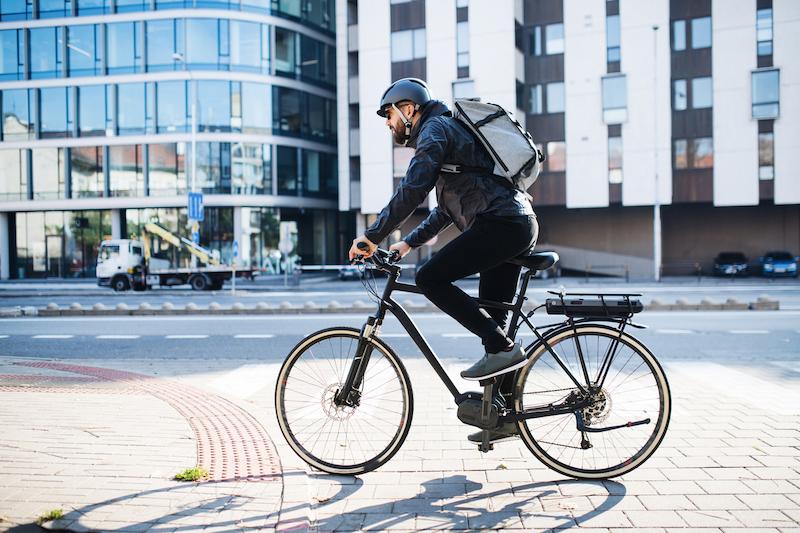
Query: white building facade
(693, 105)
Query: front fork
(350, 393)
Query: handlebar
(381, 257)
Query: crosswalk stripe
(115, 337)
(3, 336)
(186, 336)
(389, 335)
(748, 331)
(53, 336)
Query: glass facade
(131, 138)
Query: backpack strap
(452, 168)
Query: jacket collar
(433, 108)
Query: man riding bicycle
(496, 220)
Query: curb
(762, 303)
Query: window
(48, 173)
(167, 175)
(125, 170)
(464, 89)
(766, 93)
(214, 105)
(124, 47)
(766, 156)
(612, 38)
(247, 51)
(556, 156)
(202, 42)
(408, 45)
(614, 99)
(256, 110)
(701, 32)
(764, 31)
(679, 95)
(678, 35)
(251, 170)
(701, 93)
(56, 112)
(46, 60)
(83, 46)
(615, 159)
(16, 10)
(18, 114)
(535, 101)
(130, 108)
(288, 171)
(536, 41)
(163, 38)
(125, 6)
(288, 118)
(171, 103)
(12, 54)
(93, 7)
(91, 110)
(554, 39)
(14, 179)
(555, 97)
(285, 51)
(462, 44)
(702, 153)
(87, 171)
(53, 8)
(317, 61)
(680, 153)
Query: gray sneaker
(504, 432)
(495, 364)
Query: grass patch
(192, 474)
(55, 514)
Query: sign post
(285, 246)
(235, 255)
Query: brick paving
(728, 463)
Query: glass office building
(97, 97)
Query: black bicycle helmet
(405, 89)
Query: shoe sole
(499, 372)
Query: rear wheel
(342, 439)
(635, 390)
(199, 282)
(120, 284)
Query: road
(758, 338)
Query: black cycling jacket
(439, 138)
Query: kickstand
(486, 409)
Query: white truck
(124, 264)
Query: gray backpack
(516, 159)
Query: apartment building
(670, 126)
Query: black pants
(484, 247)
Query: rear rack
(594, 304)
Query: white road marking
(457, 335)
(53, 336)
(391, 335)
(3, 336)
(675, 331)
(253, 336)
(115, 337)
(749, 331)
(186, 337)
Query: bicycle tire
(289, 421)
(534, 436)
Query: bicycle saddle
(536, 260)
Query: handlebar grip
(362, 246)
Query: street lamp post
(657, 199)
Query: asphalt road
(746, 337)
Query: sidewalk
(102, 440)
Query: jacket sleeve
(423, 171)
(436, 222)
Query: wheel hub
(329, 407)
(600, 408)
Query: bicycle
(591, 403)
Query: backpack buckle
(451, 168)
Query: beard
(399, 134)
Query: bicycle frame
(349, 392)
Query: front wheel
(634, 399)
(343, 439)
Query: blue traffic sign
(196, 206)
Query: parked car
(778, 263)
(731, 264)
(349, 272)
